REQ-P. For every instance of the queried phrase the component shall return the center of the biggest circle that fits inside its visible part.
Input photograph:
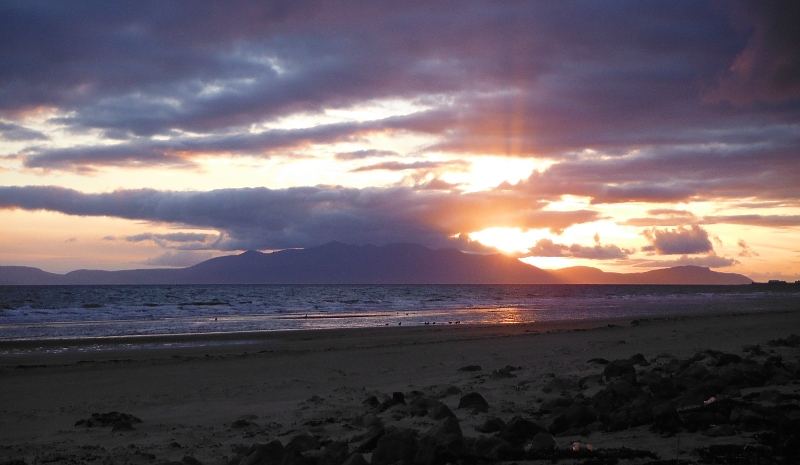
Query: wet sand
(211, 403)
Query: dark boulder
(591, 381)
(397, 444)
(560, 385)
(470, 368)
(334, 453)
(491, 425)
(494, 449)
(356, 459)
(727, 359)
(448, 391)
(303, 443)
(619, 368)
(575, 416)
(117, 420)
(519, 430)
(372, 403)
(540, 442)
(473, 401)
(270, 453)
(638, 359)
(556, 405)
(443, 443)
(505, 372)
(294, 457)
(370, 440)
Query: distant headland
(337, 263)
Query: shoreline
(256, 338)
(215, 401)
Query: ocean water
(70, 312)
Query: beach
(364, 394)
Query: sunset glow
(561, 135)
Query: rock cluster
(117, 420)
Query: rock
(557, 404)
(591, 381)
(575, 416)
(470, 368)
(397, 399)
(371, 439)
(638, 359)
(356, 459)
(754, 350)
(118, 420)
(542, 441)
(505, 372)
(368, 419)
(560, 385)
(443, 443)
(264, 454)
(241, 423)
(448, 391)
(661, 387)
(303, 443)
(335, 453)
(422, 406)
(189, 460)
(598, 360)
(441, 411)
(494, 449)
(372, 402)
(690, 376)
(726, 359)
(122, 425)
(619, 368)
(398, 444)
(491, 425)
(720, 431)
(519, 430)
(792, 341)
(474, 402)
(293, 457)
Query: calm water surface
(64, 312)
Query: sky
(621, 135)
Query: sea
(63, 313)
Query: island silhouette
(338, 263)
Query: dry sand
(211, 403)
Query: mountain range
(337, 263)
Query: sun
(510, 240)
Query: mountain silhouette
(337, 263)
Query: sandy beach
(699, 388)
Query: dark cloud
(362, 154)
(768, 68)
(180, 151)
(180, 240)
(768, 221)
(262, 218)
(15, 132)
(547, 248)
(711, 261)
(689, 101)
(663, 217)
(746, 250)
(675, 174)
(417, 165)
(525, 78)
(678, 241)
